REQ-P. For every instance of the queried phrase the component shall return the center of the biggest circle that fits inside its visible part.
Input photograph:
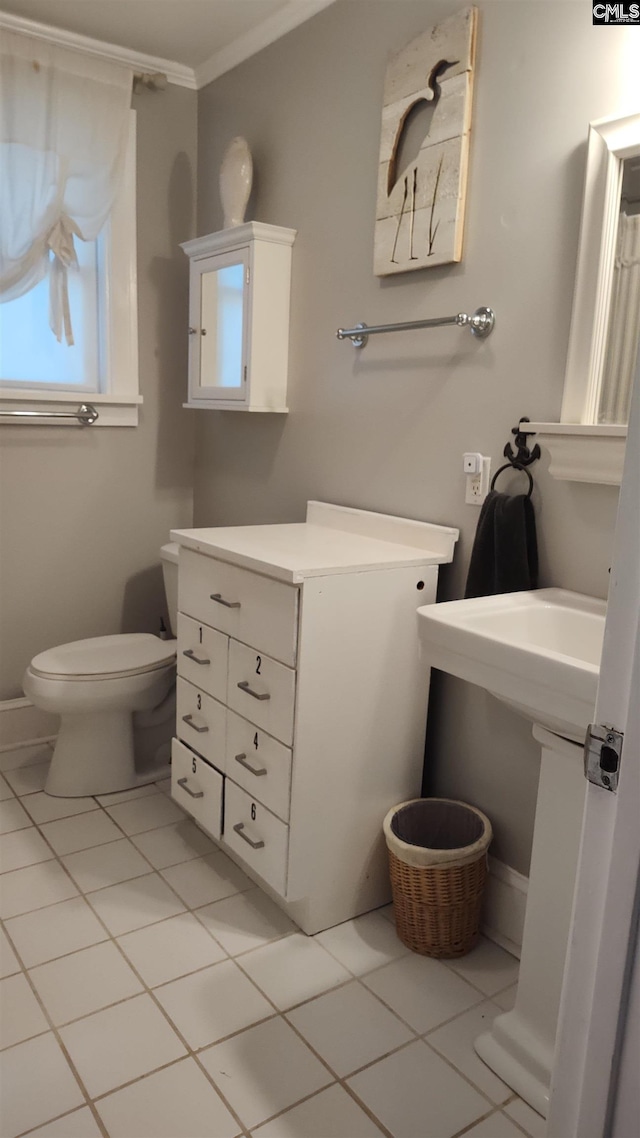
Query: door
(593, 1060)
(218, 333)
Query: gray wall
(85, 512)
(386, 429)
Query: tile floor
(149, 990)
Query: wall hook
(523, 456)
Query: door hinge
(602, 754)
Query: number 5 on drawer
(197, 787)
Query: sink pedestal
(520, 1045)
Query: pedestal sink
(539, 652)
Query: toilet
(115, 696)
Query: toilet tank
(169, 554)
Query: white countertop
(292, 552)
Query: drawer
(202, 656)
(259, 764)
(257, 836)
(245, 605)
(197, 787)
(201, 722)
(262, 690)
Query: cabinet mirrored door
(218, 331)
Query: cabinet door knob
(244, 686)
(193, 331)
(194, 793)
(239, 830)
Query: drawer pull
(239, 830)
(244, 686)
(194, 793)
(242, 759)
(221, 601)
(188, 719)
(190, 654)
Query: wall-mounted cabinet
(239, 296)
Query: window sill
(583, 452)
(122, 412)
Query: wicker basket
(438, 867)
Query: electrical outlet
(477, 486)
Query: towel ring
(514, 466)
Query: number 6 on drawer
(257, 836)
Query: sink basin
(538, 651)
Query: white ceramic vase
(236, 177)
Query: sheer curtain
(64, 120)
(624, 324)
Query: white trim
(583, 452)
(227, 240)
(505, 905)
(21, 724)
(177, 73)
(267, 32)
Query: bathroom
(85, 512)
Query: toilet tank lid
(170, 552)
(106, 655)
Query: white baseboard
(505, 905)
(21, 724)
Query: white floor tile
(55, 931)
(40, 1064)
(331, 1112)
(79, 1124)
(211, 1004)
(9, 962)
(134, 904)
(264, 1070)
(364, 943)
(5, 790)
(178, 1102)
(292, 970)
(145, 813)
(100, 867)
(45, 808)
(84, 982)
(506, 1000)
(170, 845)
(349, 1028)
(422, 991)
(21, 848)
(488, 967)
(12, 816)
(25, 756)
(29, 779)
(80, 832)
(170, 949)
(530, 1121)
(455, 1041)
(34, 887)
(119, 1044)
(415, 1092)
(207, 879)
(20, 1013)
(245, 921)
(127, 795)
(495, 1126)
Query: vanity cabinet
(302, 697)
(239, 294)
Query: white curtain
(624, 324)
(64, 120)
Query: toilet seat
(105, 657)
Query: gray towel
(504, 558)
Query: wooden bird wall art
(424, 148)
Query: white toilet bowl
(107, 691)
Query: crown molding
(177, 73)
(285, 20)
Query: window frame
(117, 405)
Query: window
(37, 372)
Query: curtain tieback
(60, 242)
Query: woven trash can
(438, 866)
